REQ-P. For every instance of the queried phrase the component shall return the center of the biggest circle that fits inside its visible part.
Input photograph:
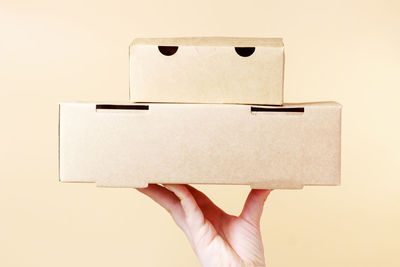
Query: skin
(217, 238)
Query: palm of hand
(232, 242)
(218, 239)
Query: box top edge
(210, 41)
(327, 103)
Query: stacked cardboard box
(203, 110)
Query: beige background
(52, 51)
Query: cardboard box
(132, 145)
(207, 70)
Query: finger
(211, 212)
(254, 205)
(194, 216)
(167, 200)
(205, 203)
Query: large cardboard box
(130, 145)
(207, 70)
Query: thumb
(253, 207)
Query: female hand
(217, 238)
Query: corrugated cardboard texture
(269, 147)
(207, 70)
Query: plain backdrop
(54, 51)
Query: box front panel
(222, 144)
(206, 74)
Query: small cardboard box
(130, 145)
(207, 70)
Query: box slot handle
(264, 109)
(245, 51)
(167, 50)
(122, 107)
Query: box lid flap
(210, 41)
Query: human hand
(217, 238)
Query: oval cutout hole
(167, 50)
(245, 51)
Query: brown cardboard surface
(210, 41)
(263, 146)
(207, 70)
